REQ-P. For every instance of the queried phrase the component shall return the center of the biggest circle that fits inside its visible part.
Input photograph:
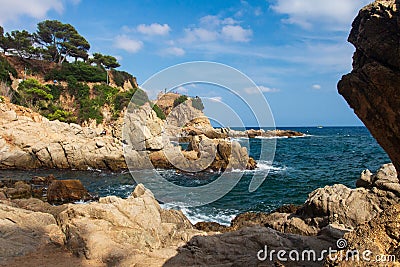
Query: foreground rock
(45, 188)
(138, 232)
(379, 238)
(112, 232)
(372, 89)
(332, 210)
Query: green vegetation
(197, 103)
(121, 76)
(62, 115)
(5, 70)
(104, 61)
(180, 100)
(160, 113)
(81, 71)
(33, 94)
(122, 99)
(57, 42)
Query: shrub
(90, 109)
(78, 89)
(5, 70)
(121, 76)
(32, 93)
(81, 71)
(160, 113)
(197, 103)
(55, 90)
(180, 100)
(122, 99)
(62, 115)
(105, 93)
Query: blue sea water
(326, 156)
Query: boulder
(372, 89)
(124, 232)
(380, 237)
(249, 246)
(64, 191)
(23, 232)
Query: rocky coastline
(30, 141)
(137, 232)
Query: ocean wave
(282, 137)
(222, 217)
(264, 166)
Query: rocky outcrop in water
(372, 88)
(45, 188)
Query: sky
(295, 51)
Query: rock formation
(372, 88)
(137, 232)
(29, 141)
(113, 231)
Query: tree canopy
(54, 41)
(105, 61)
(61, 41)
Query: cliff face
(372, 89)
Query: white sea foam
(220, 217)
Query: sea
(324, 156)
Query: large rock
(31, 141)
(124, 232)
(372, 88)
(23, 231)
(334, 207)
(63, 191)
(379, 238)
(242, 248)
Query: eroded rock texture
(372, 89)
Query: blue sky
(294, 50)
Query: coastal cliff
(372, 88)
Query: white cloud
(263, 89)
(213, 28)
(175, 51)
(216, 99)
(236, 33)
(38, 9)
(336, 14)
(316, 87)
(153, 29)
(125, 43)
(199, 34)
(211, 21)
(182, 90)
